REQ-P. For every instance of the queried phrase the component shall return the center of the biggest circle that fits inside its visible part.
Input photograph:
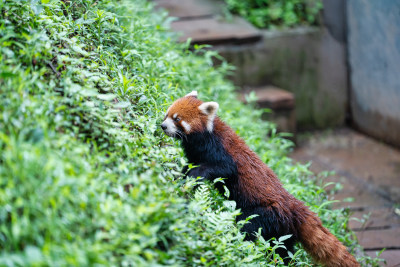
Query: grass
(86, 176)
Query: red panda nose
(163, 126)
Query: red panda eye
(177, 119)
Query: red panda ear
(193, 93)
(209, 108)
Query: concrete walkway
(369, 172)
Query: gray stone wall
(308, 62)
(349, 68)
(374, 59)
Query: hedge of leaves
(277, 13)
(86, 176)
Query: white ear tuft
(209, 108)
(193, 93)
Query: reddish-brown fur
(260, 184)
(261, 187)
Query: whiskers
(181, 135)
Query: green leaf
(106, 97)
(284, 237)
(79, 50)
(123, 104)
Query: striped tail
(323, 246)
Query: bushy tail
(323, 246)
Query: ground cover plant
(87, 178)
(277, 13)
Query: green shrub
(272, 13)
(86, 176)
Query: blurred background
(328, 73)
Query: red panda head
(189, 115)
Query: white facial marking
(175, 115)
(186, 126)
(171, 128)
(193, 93)
(210, 109)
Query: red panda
(217, 151)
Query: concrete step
(379, 239)
(273, 97)
(203, 22)
(280, 102)
(382, 218)
(214, 31)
